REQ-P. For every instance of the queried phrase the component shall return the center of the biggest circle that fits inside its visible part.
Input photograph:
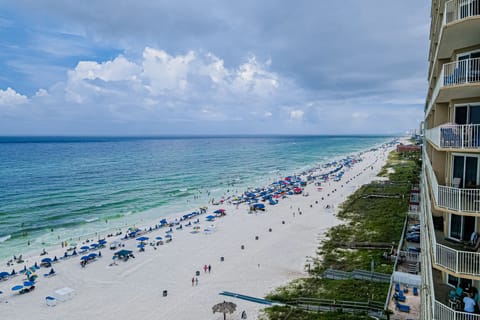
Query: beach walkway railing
(358, 275)
(372, 308)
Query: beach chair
(403, 308)
(50, 301)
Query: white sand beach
(133, 289)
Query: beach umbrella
(4, 274)
(210, 217)
(28, 283)
(168, 236)
(142, 239)
(219, 211)
(141, 245)
(84, 258)
(92, 255)
(102, 241)
(17, 287)
(159, 238)
(46, 260)
(84, 248)
(94, 245)
(224, 307)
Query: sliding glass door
(461, 227)
(465, 168)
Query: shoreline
(149, 216)
(254, 270)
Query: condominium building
(450, 215)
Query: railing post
(456, 261)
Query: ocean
(65, 188)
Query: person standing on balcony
(469, 303)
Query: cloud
(10, 97)
(216, 66)
(297, 114)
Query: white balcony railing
(442, 312)
(455, 136)
(460, 262)
(457, 261)
(456, 73)
(452, 198)
(460, 9)
(461, 71)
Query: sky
(194, 67)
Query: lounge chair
(403, 307)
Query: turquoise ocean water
(57, 188)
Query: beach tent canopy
(122, 253)
(64, 293)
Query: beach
(249, 253)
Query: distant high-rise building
(450, 216)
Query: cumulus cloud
(10, 97)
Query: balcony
(452, 136)
(460, 9)
(459, 29)
(451, 198)
(446, 255)
(458, 80)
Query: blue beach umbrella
(4, 274)
(84, 247)
(142, 239)
(159, 238)
(102, 241)
(141, 245)
(92, 255)
(168, 236)
(47, 260)
(28, 283)
(17, 287)
(84, 258)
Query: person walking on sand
(196, 281)
(193, 281)
(205, 268)
(209, 268)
